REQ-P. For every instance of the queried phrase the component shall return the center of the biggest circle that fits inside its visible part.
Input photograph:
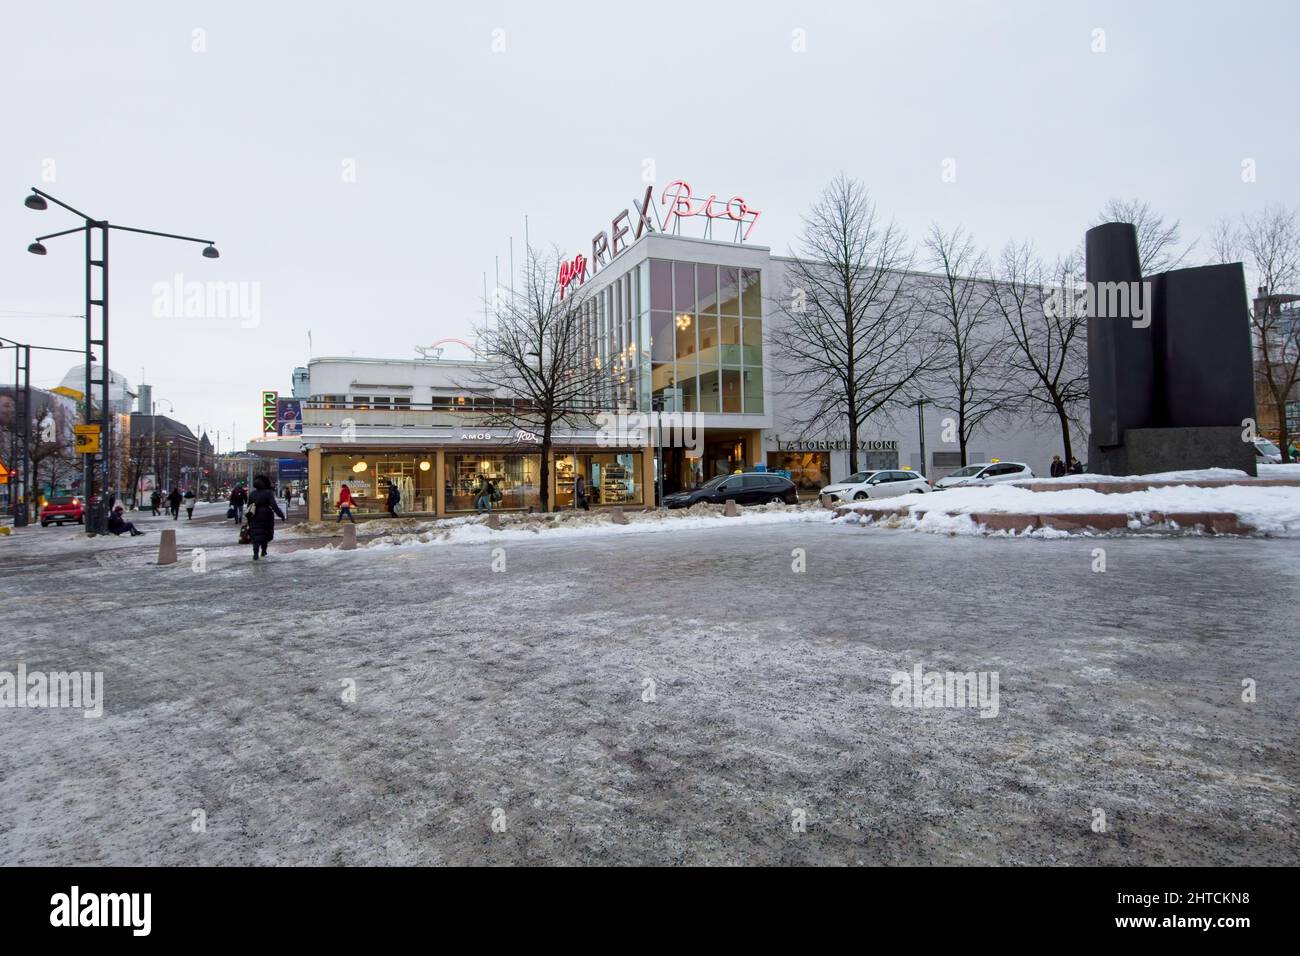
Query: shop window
(516, 477)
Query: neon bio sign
(678, 203)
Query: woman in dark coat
(262, 509)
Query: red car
(60, 509)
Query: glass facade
(689, 333)
(516, 477)
(809, 470)
(369, 475)
(611, 478)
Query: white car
(1267, 453)
(862, 485)
(985, 473)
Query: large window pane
(751, 292)
(731, 401)
(685, 326)
(730, 340)
(706, 281)
(661, 285)
(515, 476)
(708, 339)
(753, 378)
(683, 287)
(752, 353)
(729, 291)
(662, 336)
(710, 390)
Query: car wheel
(918, 491)
(81, 520)
(45, 524)
(861, 496)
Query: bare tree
(970, 334)
(1268, 243)
(851, 332)
(1159, 246)
(1048, 362)
(539, 354)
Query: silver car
(985, 473)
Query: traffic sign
(87, 439)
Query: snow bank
(1197, 474)
(1270, 510)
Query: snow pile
(1196, 474)
(1269, 510)
(1289, 470)
(473, 529)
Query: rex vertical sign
(269, 400)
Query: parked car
(862, 485)
(61, 509)
(1267, 453)
(750, 488)
(985, 473)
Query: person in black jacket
(119, 525)
(174, 503)
(262, 511)
(238, 498)
(1076, 466)
(155, 500)
(1058, 467)
(394, 496)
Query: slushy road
(678, 696)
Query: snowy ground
(521, 691)
(1270, 510)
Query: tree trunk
(1065, 433)
(544, 473)
(853, 441)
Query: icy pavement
(632, 697)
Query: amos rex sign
(676, 203)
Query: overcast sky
(458, 124)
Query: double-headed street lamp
(96, 517)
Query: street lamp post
(920, 404)
(96, 517)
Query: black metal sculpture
(1171, 378)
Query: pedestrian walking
(345, 504)
(394, 496)
(174, 503)
(238, 498)
(1058, 467)
(190, 501)
(485, 495)
(288, 497)
(262, 512)
(580, 494)
(155, 500)
(1076, 466)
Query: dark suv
(751, 488)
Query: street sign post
(87, 439)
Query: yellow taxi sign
(87, 439)
(995, 460)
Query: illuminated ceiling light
(425, 466)
(683, 321)
(359, 467)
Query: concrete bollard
(825, 500)
(494, 521)
(729, 509)
(349, 537)
(167, 547)
(616, 515)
